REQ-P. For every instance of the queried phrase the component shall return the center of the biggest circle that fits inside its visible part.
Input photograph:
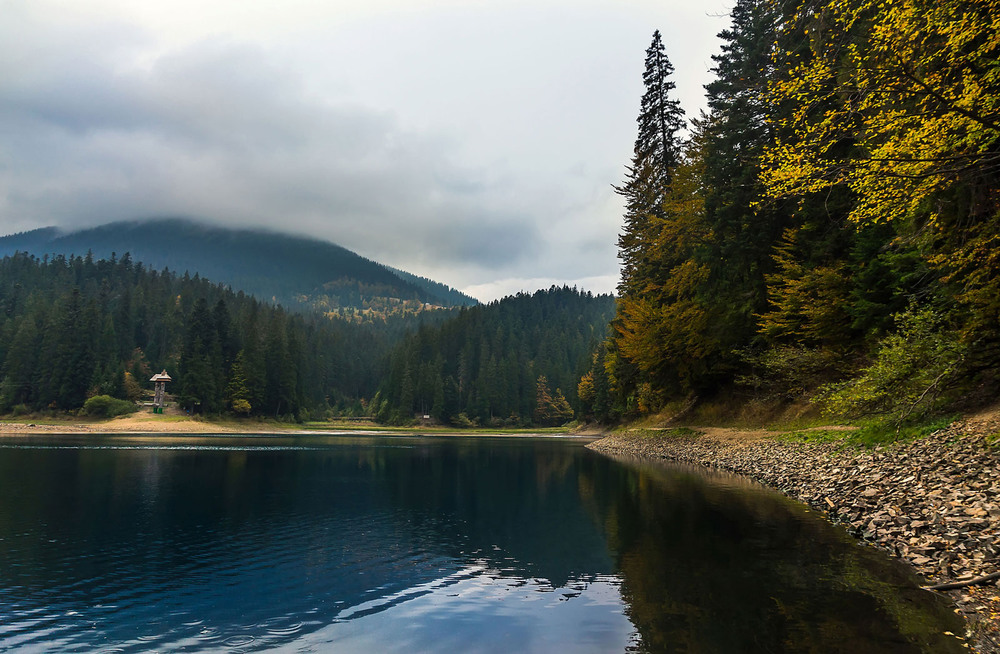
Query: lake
(355, 543)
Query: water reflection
(712, 563)
(423, 544)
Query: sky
(472, 142)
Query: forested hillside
(513, 362)
(71, 328)
(296, 272)
(74, 328)
(831, 228)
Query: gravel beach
(934, 502)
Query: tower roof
(162, 376)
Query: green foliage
(105, 406)
(913, 369)
(132, 390)
(237, 390)
(741, 229)
(881, 432)
(655, 155)
(20, 410)
(871, 433)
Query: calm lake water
(421, 544)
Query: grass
(655, 432)
(883, 432)
(681, 432)
(736, 412)
(872, 433)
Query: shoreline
(934, 502)
(167, 425)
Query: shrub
(241, 407)
(913, 368)
(105, 406)
(462, 421)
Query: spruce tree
(654, 158)
(745, 228)
(237, 391)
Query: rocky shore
(934, 502)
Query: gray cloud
(472, 146)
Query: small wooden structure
(160, 380)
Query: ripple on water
(243, 640)
(290, 630)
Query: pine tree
(744, 227)
(20, 365)
(543, 402)
(199, 360)
(654, 158)
(562, 412)
(237, 390)
(73, 365)
(656, 154)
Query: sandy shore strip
(133, 424)
(934, 502)
(145, 423)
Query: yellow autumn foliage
(898, 99)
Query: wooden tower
(160, 382)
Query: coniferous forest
(513, 362)
(74, 328)
(828, 229)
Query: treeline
(834, 217)
(512, 362)
(72, 328)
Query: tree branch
(962, 584)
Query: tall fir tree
(647, 183)
(654, 158)
(745, 227)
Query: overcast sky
(471, 142)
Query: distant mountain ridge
(294, 271)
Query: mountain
(437, 289)
(295, 271)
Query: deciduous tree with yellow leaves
(899, 102)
